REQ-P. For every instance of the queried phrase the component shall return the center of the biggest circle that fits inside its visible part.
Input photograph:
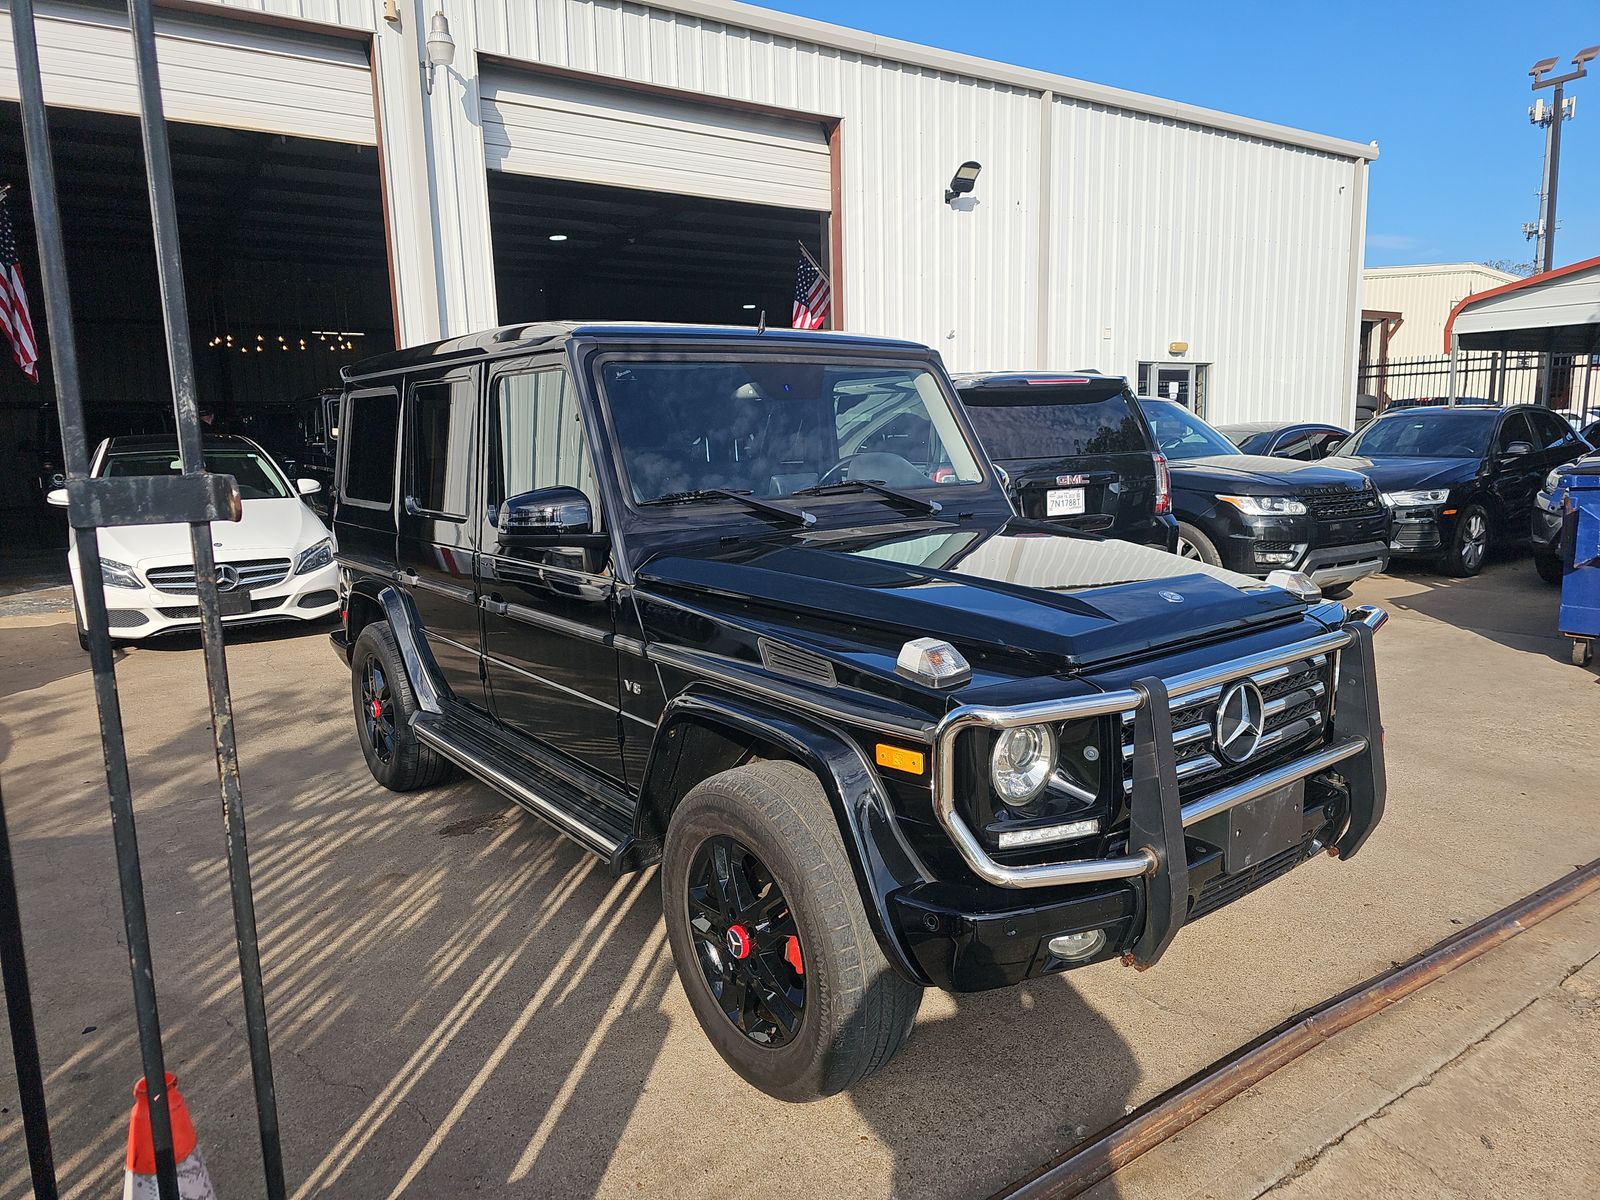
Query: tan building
(1409, 305)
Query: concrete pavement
(460, 999)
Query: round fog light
(1075, 947)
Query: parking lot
(460, 999)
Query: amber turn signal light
(898, 758)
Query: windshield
(1425, 433)
(1181, 434)
(258, 479)
(1055, 420)
(770, 427)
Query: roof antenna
(761, 325)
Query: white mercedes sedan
(275, 564)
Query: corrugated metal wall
(961, 280)
(1424, 295)
(1168, 232)
(1164, 224)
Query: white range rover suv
(274, 564)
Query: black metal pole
(180, 358)
(75, 460)
(24, 1038)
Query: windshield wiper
(787, 515)
(871, 485)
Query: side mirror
(56, 497)
(549, 516)
(1518, 449)
(308, 487)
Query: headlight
(1021, 763)
(1266, 506)
(1408, 499)
(319, 555)
(115, 574)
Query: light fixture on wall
(441, 48)
(558, 237)
(963, 181)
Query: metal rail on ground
(1165, 1116)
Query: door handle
(493, 604)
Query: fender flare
(880, 857)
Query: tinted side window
(1514, 429)
(373, 426)
(536, 437)
(1299, 444)
(438, 443)
(1553, 432)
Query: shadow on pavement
(1507, 603)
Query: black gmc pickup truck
(754, 606)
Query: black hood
(1057, 599)
(1405, 474)
(1259, 475)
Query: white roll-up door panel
(564, 129)
(229, 75)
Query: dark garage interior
(566, 250)
(286, 269)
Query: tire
(1469, 544)
(1194, 544)
(394, 755)
(1549, 567)
(854, 1009)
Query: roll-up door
(558, 128)
(212, 73)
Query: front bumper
(138, 613)
(1331, 552)
(1545, 532)
(1142, 897)
(1421, 531)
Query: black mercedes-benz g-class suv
(673, 590)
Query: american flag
(813, 298)
(14, 316)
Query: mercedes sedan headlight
(1411, 499)
(1021, 763)
(319, 555)
(115, 574)
(1266, 506)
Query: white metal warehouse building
(592, 158)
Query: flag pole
(810, 258)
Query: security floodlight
(441, 48)
(1543, 66)
(1584, 56)
(964, 180)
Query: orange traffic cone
(139, 1183)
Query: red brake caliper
(791, 955)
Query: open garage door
(559, 128)
(241, 77)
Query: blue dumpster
(1580, 581)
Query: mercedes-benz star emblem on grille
(1172, 597)
(227, 578)
(1240, 717)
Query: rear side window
(1056, 420)
(438, 445)
(372, 427)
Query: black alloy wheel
(746, 941)
(378, 710)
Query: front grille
(125, 618)
(1334, 503)
(1222, 890)
(253, 573)
(1296, 708)
(1411, 534)
(190, 612)
(1276, 547)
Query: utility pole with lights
(1551, 116)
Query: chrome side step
(551, 799)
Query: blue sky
(1442, 87)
